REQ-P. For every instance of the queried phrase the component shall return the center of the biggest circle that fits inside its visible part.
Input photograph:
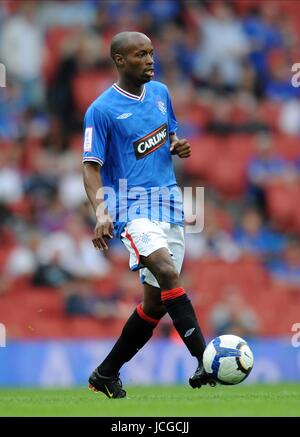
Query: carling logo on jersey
(151, 142)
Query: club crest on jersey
(161, 106)
(151, 142)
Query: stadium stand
(224, 113)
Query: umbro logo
(189, 332)
(125, 115)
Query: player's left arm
(182, 147)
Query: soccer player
(130, 137)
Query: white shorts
(143, 237)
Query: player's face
(138, 62)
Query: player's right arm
(93, 187)
(96, 132)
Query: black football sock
(136, 332)
(182, 313)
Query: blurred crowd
(228, 68)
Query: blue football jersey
(128, 136)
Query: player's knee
(168, 276)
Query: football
(228, 359)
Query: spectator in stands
(267, 166)
(162, 10)
(264, 168)
(232, 315)
(22, 52)
(11, 181)
(289, 118)
(74, 250)
(53, 217)
(21, 259)
(55, 138)
(12, 111)
(51, 274)
(263, 35)
(81, 300)
(84, 51)
(224, 120)
(250, 82)
(5, 217)
(221, 122)
(211, 242)
(285, 271)
(71, 190)
(255, 238)
(186, 52)
(3, 12)
(223, 45)
(41, 182)
(66, 13)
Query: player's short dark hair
(119, 43)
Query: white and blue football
(228, 359)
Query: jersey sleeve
(171, 115)
(96, 132)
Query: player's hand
(104, 229)
(182, 148)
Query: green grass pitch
(155, 401)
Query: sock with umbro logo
(182, 313)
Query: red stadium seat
(242, 147)
(211, 277)
(204, 151)
(227, 168)
(43, 302)
(228, 175)
(195, 113)
(88, 327)
(271, 303)
(26, 311)
(287, 146)
(282, 201)
(269, 112)
(243, 7)
(87, 86)
(75, 142)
